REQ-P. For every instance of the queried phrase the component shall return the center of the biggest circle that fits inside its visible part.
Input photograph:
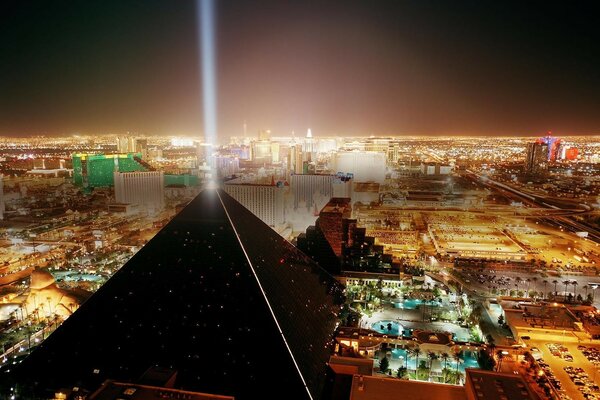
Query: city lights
(345, 200)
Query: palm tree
(34, 297)
(555, 283)
(431, 356)
(517, 281)
(28, 331)
(445, 357)
(534, 279)
(401, 373)
(384, 364)
(56, 320)
(528, 280)
(574, 283)
(23, 307)
(500, 356)
(545, 283)
(457, 356)
(585, 287)
(43, 307)
(416, 351)
(459, 376)
(566, 283)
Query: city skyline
(353, 69)
(121, 254)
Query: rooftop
(488, 385)
(376, 388)
(111, 390)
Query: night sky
(340, 68)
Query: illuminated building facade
(366, 166)
(126, 144)
(305, 187)
(260, 151)
(309, 148)
(569, 153)
(96, 170)
(435, 169)
(537, 157)
(295, 160)
(336, 243)
(226, 165)
(265, 201)
(146, 188)
(181, 180)
(554, 145)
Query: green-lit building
(96, 170)
(181, 180)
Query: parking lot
(576, 373)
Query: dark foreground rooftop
(216, 295)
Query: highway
(536, 201)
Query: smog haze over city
(320, 200)
(346, 68)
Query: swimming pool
(412, 304)
(388, 327)
(400, 357)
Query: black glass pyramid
(216, 295)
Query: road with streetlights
(537, 285)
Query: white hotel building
(264, 201)
(144, 188)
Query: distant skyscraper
(275, 151)
(537, 157)
(261, 151)
(553, 146)
(141, 146)
(309, 147)
(217, 296)
(264, 134)
(145, 188)
(295, 157)
(226, 165)
(126, 144)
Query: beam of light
(208, 60)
